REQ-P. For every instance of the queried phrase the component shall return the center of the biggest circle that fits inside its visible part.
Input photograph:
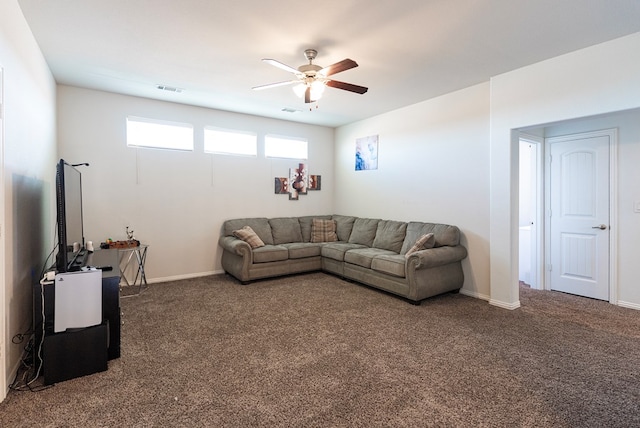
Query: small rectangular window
(285, 147)
(159, 134)
(229, 142)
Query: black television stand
(78, 352)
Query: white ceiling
(407, 50)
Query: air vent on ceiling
(170, 88)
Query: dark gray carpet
(315, 351)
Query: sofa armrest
(434, 257)
(235, 246)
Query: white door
(579, 214)
(528, 211)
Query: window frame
(230, 132)
(160, 122)
(285, 138)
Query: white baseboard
(498, 303)
(629, 305)
(504, 305)
(11, 376)
(474, 294)
(185, 276)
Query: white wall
(627, 223)
(28, 178)
(596, 80)
(433, 165)
(176, 201)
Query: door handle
(601, 227)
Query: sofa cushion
(445, 235)
(300, 250)
(323, 230)
(249, 236)
(285, 230)
(390, 235)
(337, 250)
(259, 225)
(364, 256)
(364, 231)
(392, 264)
(424, 242)
(305, 225)
(344, 225)
(270, 253)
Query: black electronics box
(75, 353)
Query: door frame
(612, 133)
(3, 291)
(537, 256)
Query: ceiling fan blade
(273, 85)
(280, 65)
(347, 86)
(345, 64)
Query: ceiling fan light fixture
(300, 89)
(317, 89)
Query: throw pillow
(249, 236)
(424, 242)
(323, 230)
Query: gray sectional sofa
(369, 251)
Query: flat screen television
(71, 249)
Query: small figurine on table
(130, 234)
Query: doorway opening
(535, 248)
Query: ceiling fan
(312, 79)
